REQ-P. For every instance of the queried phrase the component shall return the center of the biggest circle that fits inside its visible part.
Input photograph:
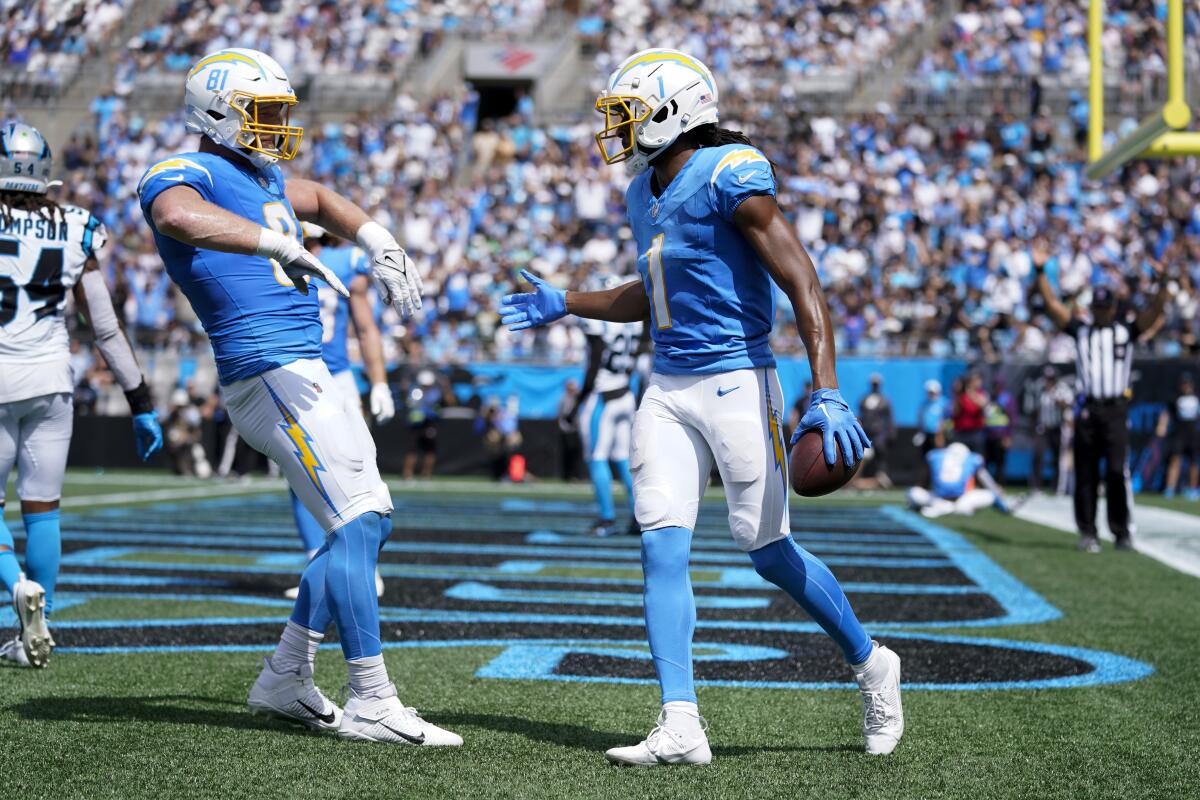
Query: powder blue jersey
(712, 301)
(251, 311)
(952, 471)
(347, 262)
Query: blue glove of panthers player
(148, 434)
(829, 413)
(531, 309)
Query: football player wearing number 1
(712, 238)
(46, 249)
(227, 225)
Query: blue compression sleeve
(311, 532)
(623, 471)
(10, 569)
(811, 584)
(312, 609)
(43, 550)
(350, 585)
(670, 610)
(602, 483)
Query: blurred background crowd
(919, 224)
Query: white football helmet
(652, 98)
(25, 159)
(242, 99)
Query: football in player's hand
(811, 476)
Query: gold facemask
(621, 113)
(277, 139)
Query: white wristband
(273, 244)
(373, 237)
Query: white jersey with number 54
(42, 256)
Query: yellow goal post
(1162, 135)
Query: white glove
(383, 407)
(396, 276)
(297, 263)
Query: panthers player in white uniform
(45, 250)
(606, 406)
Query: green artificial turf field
(160, 574)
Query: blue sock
(10, 569)
(811, 584)
(311, 532)
(312, 609)
(670, 610)
(43, 550)
(602, 483)
(626, 476)
(350, 585)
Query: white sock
(368, 676)
(297, 648)
(868, 670)
(683, 717)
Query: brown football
(811, 476)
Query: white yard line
(1171, 537)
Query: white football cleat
(383, 718)
(294, 592)
(664, 746)
(13, 650)
(883, 715)
(29, 601)
(293, 696)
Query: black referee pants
(1102, 432)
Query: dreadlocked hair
(34, 203)
(711, 136)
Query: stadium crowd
(1035, 37)
(309, 37)
(43, 42)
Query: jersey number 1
(658, 284)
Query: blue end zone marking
(1023, 605)
(1107, 668)
(96, 579)
(485, 593)
(802, 537)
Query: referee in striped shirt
(1103, 361)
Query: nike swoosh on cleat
(326, 718)
(405, 736)
(722, 392)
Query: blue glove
(829, 413)
(531, 309)
(148, 434)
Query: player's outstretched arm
(395, 274)
(773, 239)
(1059, 314)
(181, 213)
(95, 304)
(545, 304)
(370, 342)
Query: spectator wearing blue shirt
(931, 418)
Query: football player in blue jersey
(712, 238)
(959, 483)
(349, 263)
(227, 226)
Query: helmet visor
(265, 124)
(621, 114)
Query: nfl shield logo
(654, 210)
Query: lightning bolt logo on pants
(303, 442)
(776, 436)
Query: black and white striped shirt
(1103, 358)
